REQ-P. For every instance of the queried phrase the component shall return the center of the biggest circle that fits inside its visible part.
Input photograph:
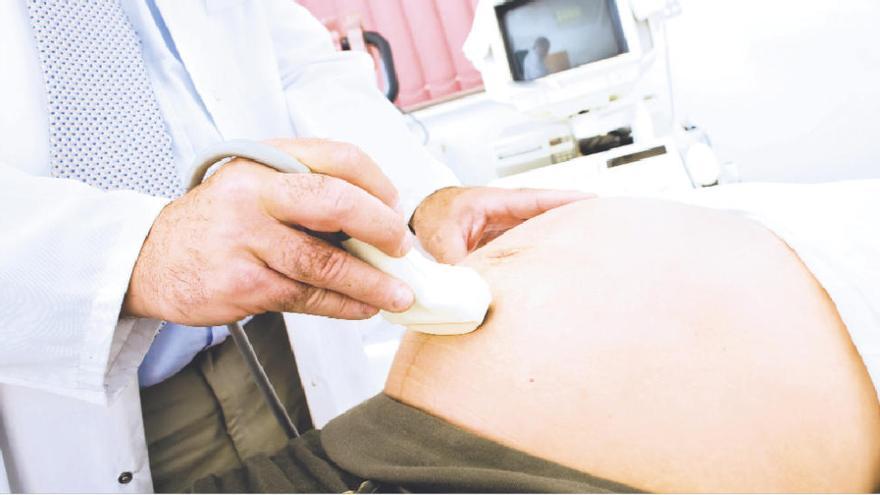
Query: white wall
(788, 89)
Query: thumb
(447, 245)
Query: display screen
(547, 36)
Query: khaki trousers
(210, 416)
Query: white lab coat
(60, 433)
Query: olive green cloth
(211, 415)
(390, 446)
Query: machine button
(125, 478)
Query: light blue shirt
(191, 128)
(174, 347)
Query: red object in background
(426, 38)
(430, 43)
(452, 16)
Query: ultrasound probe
(449, 300)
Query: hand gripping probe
(449, 300)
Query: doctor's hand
(452, 222)
(238, 244)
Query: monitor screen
(547, 36)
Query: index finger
(326, 204)
(524, 204)
(344, 161)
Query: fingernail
(368, 310)
(403, 298)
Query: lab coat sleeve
(66, 255)
(334, 95)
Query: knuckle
(313, 261)
(338, 196)
(294, 185)
(313, 298)
(349, 308)
(238, 280)
(349, 154)
(329, 265)
(304, 188)
(288, 299)
(237, 179)
(343, 203)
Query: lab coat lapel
(227, 49)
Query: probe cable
(273, 158)
(259, 374)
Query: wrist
(141, 294)
(134, 305)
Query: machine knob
(702, 164)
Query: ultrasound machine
(599, 118)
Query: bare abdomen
(658, 345)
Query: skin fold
(663, 346)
